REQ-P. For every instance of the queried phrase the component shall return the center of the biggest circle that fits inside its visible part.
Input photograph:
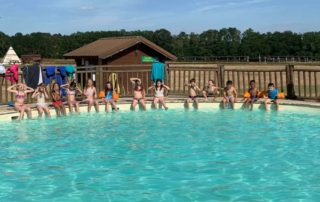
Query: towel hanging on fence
(70, 71)
(14, 70)
(2, 69)
(40, 75)
(113, 79)
(50, 74)
(31, 75)
(157, 71)
(61, 78)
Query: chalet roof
(107, 47)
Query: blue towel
(157, 71)
(50, 74)
(61, 78)
(70, 71)
(62, 70)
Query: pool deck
(6, 113)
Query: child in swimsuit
(108, 97)
(138, 94)
(56, 100)
(41, 95)
(272, 96)
(210, 90)
(91, 93)
(229, 95)
(254, 95)
(159, 88)
(193, 88)
(21, 91)
(72, 91)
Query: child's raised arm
(151, 87)
(167, 87)
(36, 92)
(79, 90)
(133, 80)
(10, 89)
(46, 95)
(64, 86)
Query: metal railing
(246, 59)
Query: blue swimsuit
(273, 94)
(108, 95)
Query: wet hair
(156, 86)
(52, 90)
(252, 81)
(192, 80)
(229, 82)
(106, 89)
(270, 85)
(73, 84)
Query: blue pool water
(205, 155)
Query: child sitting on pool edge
(210, 90)
(272, 96)
(229, 95)
(91, 93)
(56, 100)
(41, 95)
(254, 95)
(72, 91)
(159, 88)
(21, 91)
(138, 94)
(193, 88)
(108, 97)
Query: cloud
(87, 8)
(209, 7)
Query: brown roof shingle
(107, 47)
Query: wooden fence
(307, 82)
(304, 82)
(100, 74)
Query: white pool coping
(292, 106)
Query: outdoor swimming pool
(175, 155)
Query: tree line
(223, 42)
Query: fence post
(99, 78)
(167, 74)
(221, 75)
(290, 82)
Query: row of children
(230, 94)
(91, 97)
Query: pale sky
(68, 16)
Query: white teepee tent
(11, 57)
